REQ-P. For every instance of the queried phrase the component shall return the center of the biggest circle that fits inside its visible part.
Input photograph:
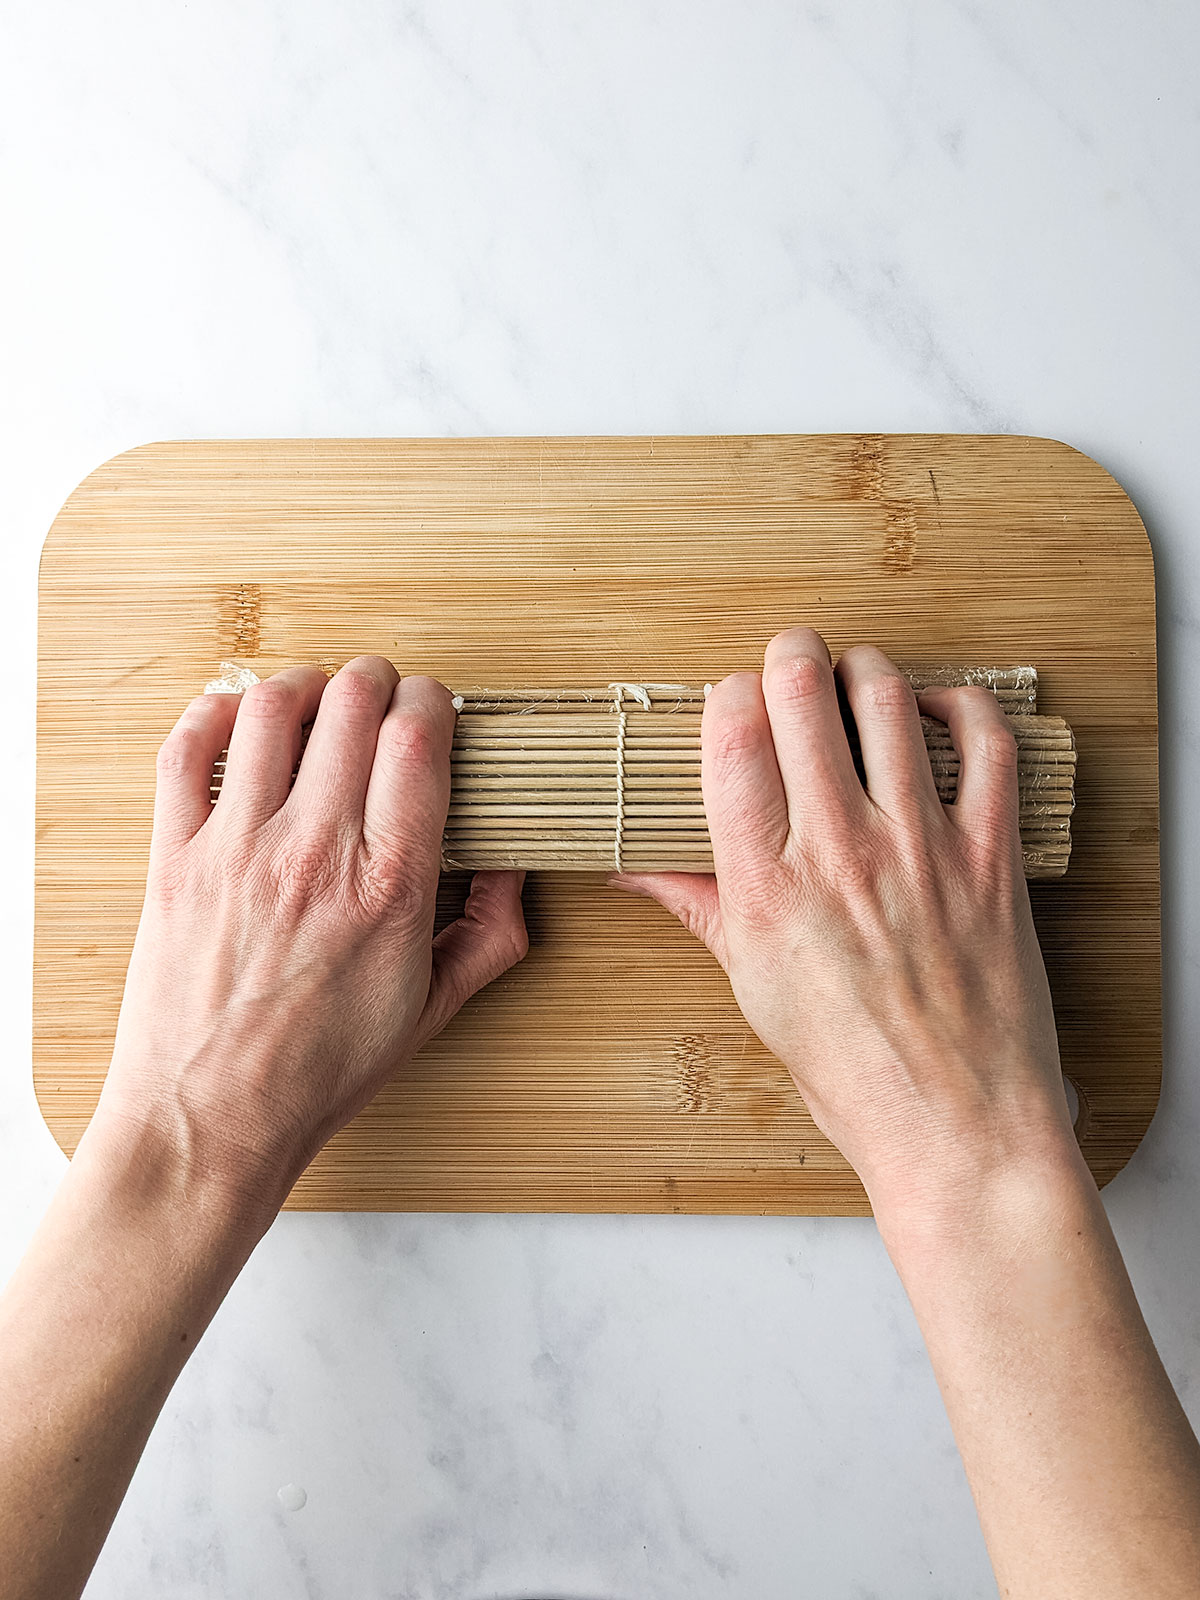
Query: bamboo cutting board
(611, 1071)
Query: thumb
(485, 941)
(690, 896)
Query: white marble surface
(506, 216)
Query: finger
(690, 896)
(265, 743)
(895, 760)
(988, 796)
(409, 789)
(338, 758)
(744, 801)
(182, 793)
(815, 763)
(484, 942)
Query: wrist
(149, 1173)
(967, 1201)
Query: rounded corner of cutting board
(64, 1136)
(1108, 479)
(110, 467)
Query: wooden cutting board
(612, 1070)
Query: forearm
(284, 967)
(123, 1276)
(1083, 1465)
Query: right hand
(880, 942)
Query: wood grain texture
(611, 1071)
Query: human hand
(285, 963)
(879, 942)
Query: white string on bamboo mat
(643, 699)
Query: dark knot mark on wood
(241, 619)
(866, 465)
(693, 1072)
(900, 538)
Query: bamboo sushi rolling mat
(611, 1071)
(572, 780)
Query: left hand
(285, 963)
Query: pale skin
(879, 942)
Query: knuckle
(172, 875)
(356, 690)
(886, 694)
(307, 869)
(407, 736)
(995, 834)
(181, 751)
(918, 822)
(512, 939)
(973, 701)
(761, 895)
(996, 861)
(843, 818)
(799, 680)
(267, 701)
(924, 861)
(734, 735)
(386, 884)
(845, 854)
(505, 947)
(388, 887)
(850, 869)
(995, 748)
